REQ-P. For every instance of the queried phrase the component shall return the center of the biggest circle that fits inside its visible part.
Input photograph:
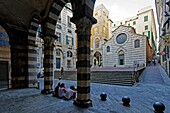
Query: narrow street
(152, 75)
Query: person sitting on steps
(70, 93)
(55, 93)
(61, 91)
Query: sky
(122, 9)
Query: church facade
(126, 49)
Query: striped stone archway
(22, 31)
(32, 52)
(83, 18)
(48, 30)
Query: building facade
(163, 17)
(100, 32)
(126, 49)
(64, 54)
(144, 24)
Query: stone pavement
(142, 96)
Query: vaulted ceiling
(17, 13)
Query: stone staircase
(123, 78)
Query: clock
(121, 38)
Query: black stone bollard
(159, 107)
(126, 101)
(103, 96)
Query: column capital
(48, 41)
(83, 26)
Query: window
(128, 24)
(96, 30)
(145, 18)
(146, 27)
(68, 21)
(121, 38)
(121, 57)
(58, 26)
(58, 36)
(137, 43)
(134, 23)
(69, 31)
(39, 31)
(69, 40)
(97, 43)
(120, 23)
(69, 54)
(108, 48)
(104, 13)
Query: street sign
(38, 64)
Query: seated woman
(70, 93)
(55, 93)
(61, 91)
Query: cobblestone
(142, 95)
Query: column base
(46, 91)
(83, 104)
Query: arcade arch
(22, 41)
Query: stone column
(19, 58)
(48, 65)
(83, 64)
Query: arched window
(108, 48)
(97, 43)
(121, 57)
(69, 54)
(137, 43)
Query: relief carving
(48, 41)
(84, 26)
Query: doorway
(4, 75)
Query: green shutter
(148, 34)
